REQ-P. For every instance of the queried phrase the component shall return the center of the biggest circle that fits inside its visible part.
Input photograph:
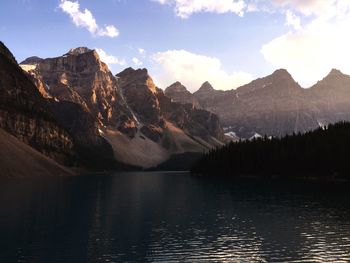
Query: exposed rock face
(141, 95)
(153, 108)
(25, 113)
(178, 93)
(80, 77)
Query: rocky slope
(25, 113)
(17, 159)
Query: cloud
(193, 69)
(306, 7)
(86, 19)
(185, 8)
(141, 51)
(292, 20)
(311, 51)
(137, 62)
(109, 59)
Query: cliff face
(79, 76)
(152, 107)
(25, 113)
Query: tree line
(324, 152)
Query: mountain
(125, 116)
(179, 93)
(330, 98)
(274, 105)
(81, 77)
(165, 128)
(25, 114)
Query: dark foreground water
(170, 217)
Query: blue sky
(228, 42)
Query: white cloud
(311, 51)
(185, 8)
(292, 20)
(306, 7)
(86, 19)
(137, 62)
(141, 51)
(109, 59)
(193, 69)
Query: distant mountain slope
(276, 105)
(17, 159)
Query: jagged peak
(281, 72)
(176, 86)
(206, 86)
(134, 72)
(335, 72)
(78, 51)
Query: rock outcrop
(25, 114)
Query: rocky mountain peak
(179, 93)
(206, 87)
(176, 87)
(281, 75)
(31, 61)
(78, 51)
(139, 77)
(335, 74)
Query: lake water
(170, 217)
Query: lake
(170, 217)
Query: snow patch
(255, 136)
(27, 67)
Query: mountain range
(71, 110)
(74, 110)
(275, 105)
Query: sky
(226, 42)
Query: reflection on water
(165, 217)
